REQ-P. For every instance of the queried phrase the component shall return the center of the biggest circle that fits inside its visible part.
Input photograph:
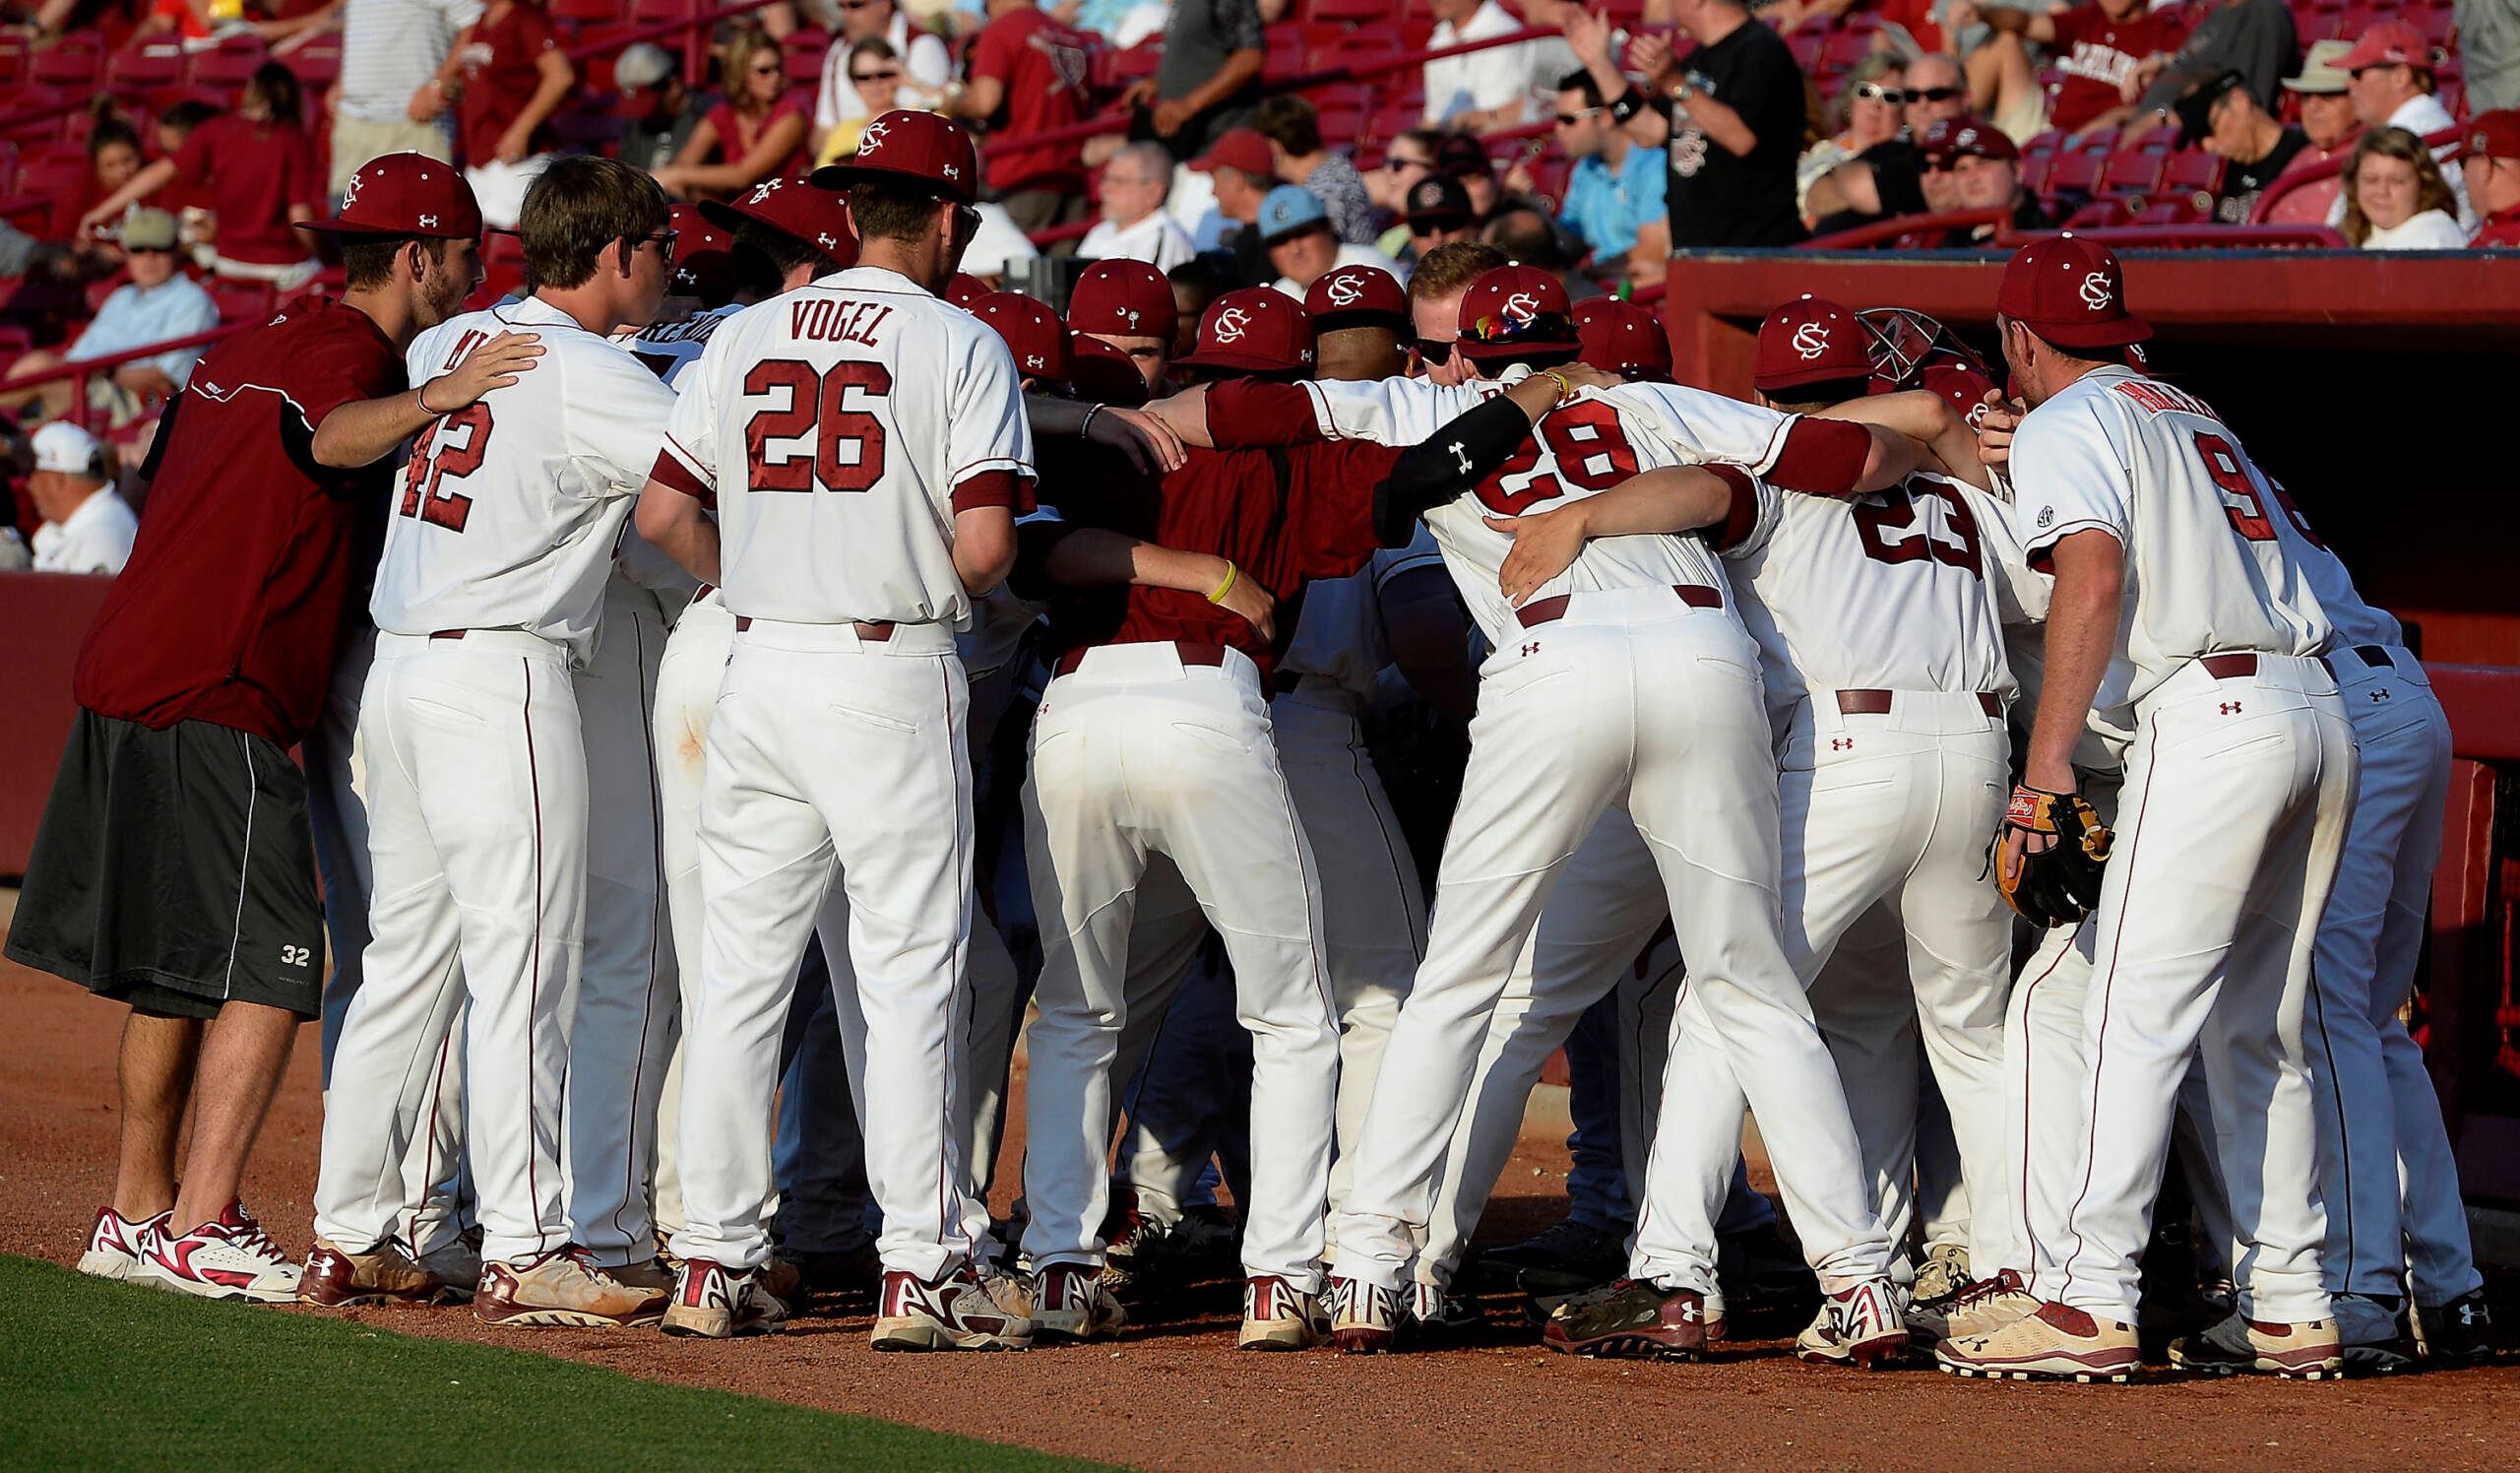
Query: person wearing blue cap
(1295, 228)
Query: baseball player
(487, 595)
(1153, 740)
(1562, 682)
(1878, 624)
(2176, 612)
(171, 871)
(1360, 317)
(1129, 306)
(865, 447)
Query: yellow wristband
(1230, 573)
(1565, 390)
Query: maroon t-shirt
(1042, 66)
(2096, 53)
(249, 174)
(500, 75)
(1317, 523)
(231, 608)
(734, 140)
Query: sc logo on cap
(1343, 291)
(1232, 324)
(873, 138)
(2095, 291)
(1522, 307)
(1811, 340)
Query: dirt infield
(1176, 1395)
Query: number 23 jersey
(838, 429)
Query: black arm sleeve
(158, 447)
(1031, 578)
(1454, 459)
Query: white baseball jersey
(2357, 622)
(1897, 590)
(511, 507)
(668, 348)
(839, 427)
(1580, 449)
(2156, 469)
(1340, 633)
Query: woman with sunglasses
(874, 74)
(1866, 112)
(757, 133)
(255, 172)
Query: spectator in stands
(2391, 67)
(1242, 171)
(2226, 119)
(1439, 214)
(2253, 38)
(2492, 168)
(1196, 283)
(2099, 49)
(1613, 200)
(2489, 53)
(389, 100)
(1027, 75)
(1435, 291)
(757, 133)
(159, 304)
(1134, 224)
(1208, 84)
(1296, 227)
(1985, 174)
(659, 113)
(875, 71)
(1529, 236)
(1410, 156)
(1480, 92)
(2396, 197)
(254, 171)
(928, 68)
(1461, 156)
(113, 156)
(1730, 120)
(1299, 156)
(1121, 23)
(2327, 104)
(1866, 114)
(507, 76)
(87, 527)
(1885, 179)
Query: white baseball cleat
(712, 1302)
(1364, 1318)
(1070, 1305)
(115, 1243)
(229, 1257)
(1862, 1326)
(559, 1290)
(1276, 1315)
(952, 1312)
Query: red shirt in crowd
(1042, 65)
(2097, 55)
(248, 175)
(501, 76)
(231, 608)
(734, 140)
(1318, 523)
(2501, 228)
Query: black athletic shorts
(174, 872)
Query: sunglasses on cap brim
(1543, 327)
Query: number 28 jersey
(1579, 449)
(2205, 571)
(838, 429)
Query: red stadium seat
(2074, 172)
(1362, 12)
(318, 63)
(2138, 173)
(139, 74)
(225, 68)
(14, 53)
(1845, 48)
(2306, 206)
(78, 60)
(2097, 214)
(2191, 171)
(804, 51)
(241, 301)
(602, 11)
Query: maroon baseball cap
(2070, 291)
(1101, 373)
(965, 290)
(1258, 328)
(1124, 298)
(792, 207)
(1461, 156)
(1357, 296)
(1624, 336)
(1810, 342)
(2494, 135)
(1514, 310)
(2387, 44)
(914, 147)
(404, 194)
(1955, 138)
(1243, 149)
(704, 258)
(1033, 332)
(1963, 387)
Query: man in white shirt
(2390, 72)
(1295, 229)
(390, 49)
(1480, 91)
(87, 527)
(924, 63)
(1134, 223)
(159, 304)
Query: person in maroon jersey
(173, 871)
(507, 76)
(2097, 50)
(1029, 76)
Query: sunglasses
(772, 70)
(855, 4)
(1434, 350)
(1420, 231)
(1932, 93)
(1874, 91)
(1551, 326)
(664, 240)
(148, 250)
(893, 76)
(1394, 163)
(1570, 119)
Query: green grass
(97, 1374)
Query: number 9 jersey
(836, 430)
(2158, 471)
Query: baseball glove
(2060, 885)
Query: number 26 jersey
(838, 429)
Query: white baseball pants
(1136, 753)
(2386, 1172)
(629, 996)
(1631, 699)
(2231, 824)
(834, 764)
(477, 804)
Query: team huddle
(692, 639)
